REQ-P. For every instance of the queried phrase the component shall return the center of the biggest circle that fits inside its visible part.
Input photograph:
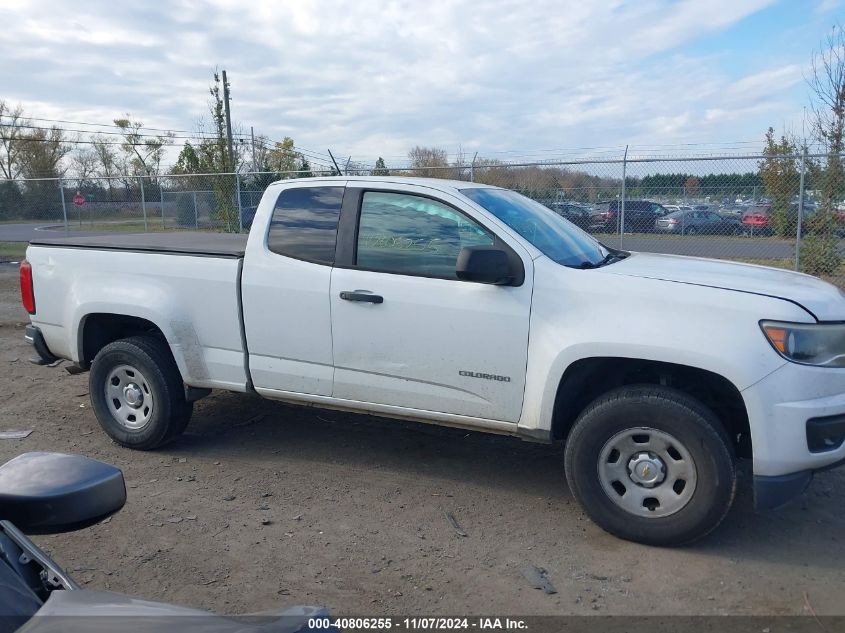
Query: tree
(12, 131)
(304, 169)
(780, 176)
(380, 168)
(83, 163)
(41, 152)
(283, 158)
(39, 157)
(188, 161)
(430, 162)
(144, 152)
(108, 162)
(692, 186)
(827, 101)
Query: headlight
(821, 344)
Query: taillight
(27, 292)
(672, 221)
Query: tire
(691, 231)
(665, 417)
(137, 393)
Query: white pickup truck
(471, 306)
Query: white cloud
(373, 78)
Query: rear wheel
(137, 393)
(652, 465)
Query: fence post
(800, 211)
(622, 211)
(64, 205)
(472, 168)
(240, 209)
(196, 212)
(161, 197)
(143, 202)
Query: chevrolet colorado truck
(471, 306)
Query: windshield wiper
(611, 257)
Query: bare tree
(827, 100)
(108, 161)
(429, 161)
(827, 85)
(11, 133)
(83, 164)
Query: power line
(144, 127)
(103, 132)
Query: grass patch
(12, 251)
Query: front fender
(578, 314)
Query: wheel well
(587, 379)
(98, 330)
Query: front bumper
(34, 336)
(797, 419)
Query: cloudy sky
(507, 78)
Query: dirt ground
(262, 505)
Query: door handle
(364, 297)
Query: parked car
(697, 223)
(734, 211)
(49, 493)
(755, 221)
(578, 214)
(467, 305)
(639, 216)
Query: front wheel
(137, 393)
(652, 465)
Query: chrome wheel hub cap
(647, 472)
(646, 469)
(128, 397)
(133, 395)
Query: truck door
(285, 292)
(406, 331)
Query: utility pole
(252, 134)
(228, 121)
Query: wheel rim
(129, 397)
(647, 472)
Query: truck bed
(200, 244)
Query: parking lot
(262, 505)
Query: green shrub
(820, 254)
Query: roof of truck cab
(196, 243)
(441, 184)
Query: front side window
(413, 235)
(304, 223)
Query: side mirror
(484, 264)
(47, 493)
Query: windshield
(557, 238)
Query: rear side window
(304, 223)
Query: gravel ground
(262, 505)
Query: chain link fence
(743, 208)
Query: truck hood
(823, 300)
